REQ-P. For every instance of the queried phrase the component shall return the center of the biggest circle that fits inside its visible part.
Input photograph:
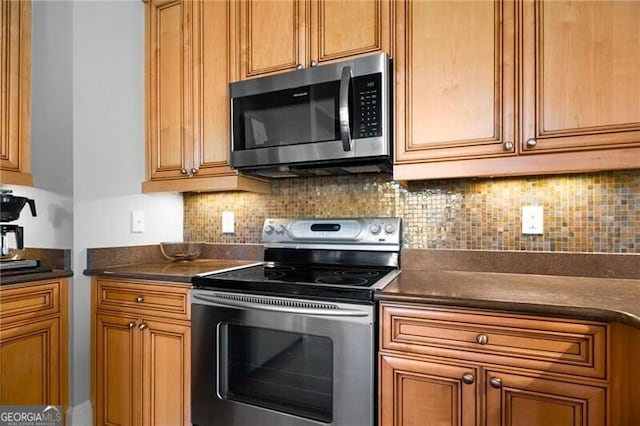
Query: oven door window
(278, 370)
(306, 114)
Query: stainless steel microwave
(324, 120)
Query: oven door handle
(301, 310)
(343, 110)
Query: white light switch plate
(532, 220)
(228, 223)
(137, 221)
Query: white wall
(108, 155)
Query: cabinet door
(273, 36)
(30, 364)
(412, 391)
(15, 101)
(169, 115)
(166, 382)
(117, 371)
(211, 30)
(455, 80)
(514, 400)
(581, 78)
(341, 29)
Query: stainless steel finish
(273, 304)
(233, 268)
(496, 382)
(194, 171)
(284, 161)
(139, 299)
(299, 67)
(468, 378)
(314, 63)
(183, 171)
(142, 326)
(353, 363)
(508, 146)
(531, 143)
(131, 324)
(345, 131)
(482, 339)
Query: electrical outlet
(137, 221)
(532, 220)
(228, 223)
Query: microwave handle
(345, 131)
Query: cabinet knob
(482, 339)
(142, 326)
(183, 171)
(496, 382)
(139, 299)
(531, 143)
(508, 146)
(194, 171)
(131, 324)
(299, 67)
(468, 378)
(314, 64)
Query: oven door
(259, 360)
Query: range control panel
(361, 233)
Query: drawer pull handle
(139, 299)
(468, 378)
(142, 326)
(131, 324)
(496, 382)
(482, 339)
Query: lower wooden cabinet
(142, 355)
(33, 344)
(465, 367)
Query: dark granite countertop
(180, 272)
(605, 299)
(57, 261)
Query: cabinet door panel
(30, 364)
(168, 87)
(117, 371)
(273, 36)
(533, 401)
(455, 79)
(167, 376)
(413, 391)
(581, 84)
(341, 29)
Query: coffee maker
(10, 208)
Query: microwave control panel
(367, 100)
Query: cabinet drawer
(29, 301)
(155, 299)
(551, 344)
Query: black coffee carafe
(10, 208)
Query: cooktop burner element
(341, 259)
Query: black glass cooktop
(317, 281)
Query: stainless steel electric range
(292, 341)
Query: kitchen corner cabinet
(516, 87)
(142, 345)
(33, 343)
(468, 367)
(15, 95)
(282, 35)
(187, 111)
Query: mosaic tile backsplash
(595, 212)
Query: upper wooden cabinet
(15, 92)
(281, 35)
(188, 72)
(516, 87)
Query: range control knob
(375, 229)
(268, 229)
(389, 229)
(280, 230)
